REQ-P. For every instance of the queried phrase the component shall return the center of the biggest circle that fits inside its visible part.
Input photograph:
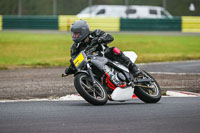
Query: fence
(73, 7)
(63, 23)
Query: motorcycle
(99, 79)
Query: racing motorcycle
(99, 79)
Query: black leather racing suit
(109, 53)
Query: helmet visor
(76, 35)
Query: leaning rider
(82, 36)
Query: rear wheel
(95, 95)
(148, 92)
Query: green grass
(53, 49)
(154, 48)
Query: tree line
(72, 7)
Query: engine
(114, 78)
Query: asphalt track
(192, 66)
(170, 115)
(174, 115)
(47, 82)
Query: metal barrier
(150, 24)
(63, 23)
(30, 22)
(106, 24)
(190, 24)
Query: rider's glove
(68, 71)
(96, 40)
(100, 40)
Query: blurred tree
(8, 7)
(37, 7)
(72, 7)
(181, 7)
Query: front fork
(89, 69)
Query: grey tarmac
(28, 83)
(169, 115)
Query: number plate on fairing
(80, 60)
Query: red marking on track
(134, 96)
(188, 93)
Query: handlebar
(91, 48)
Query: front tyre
(151, 94)
(95, 95)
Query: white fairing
(132, 55)
(122, 94)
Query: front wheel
(94, 94)
(148, 92)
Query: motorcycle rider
(82, 36)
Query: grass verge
(19, 49)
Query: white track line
(70, 97)
(78, 97)
(182, 94)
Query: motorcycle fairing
(122, 94)
(131, 55)
(99, 62)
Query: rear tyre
(95, 95)
(148, 95)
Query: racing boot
(119, 56)
(131, 66)
(134, 69)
